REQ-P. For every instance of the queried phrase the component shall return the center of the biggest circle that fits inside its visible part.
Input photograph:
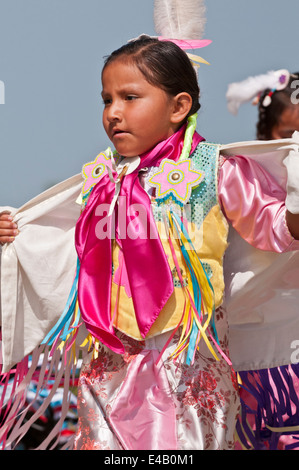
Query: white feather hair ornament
(249, 89)
(183, 22)
(180, 19)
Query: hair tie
(190, 129)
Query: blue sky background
(51, 55)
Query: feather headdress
(246, 90)
(177, 19)
(182, 22)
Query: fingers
(8, 228)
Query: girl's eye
(106, 101)
(131, 97)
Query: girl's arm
(8, 228)
(255, 205)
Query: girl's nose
(114, 112)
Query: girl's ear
(181, 108)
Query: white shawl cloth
(37, 270)
(262, 288)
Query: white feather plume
(246, 90)
(180, 19)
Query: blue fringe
(62, 327)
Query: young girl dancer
(150, 243)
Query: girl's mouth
(118, 132)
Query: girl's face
(288, 123)
(137, 115)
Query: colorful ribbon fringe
(199, 312)
(53, 366)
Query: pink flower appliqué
(93, 171)
(175, 180)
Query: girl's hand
(8, 228)
(293, 224)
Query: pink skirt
(138, 401)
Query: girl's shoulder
(205, 152)
(205, 158)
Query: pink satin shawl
(147, 267)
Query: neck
(179, 145)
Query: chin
(126, 153)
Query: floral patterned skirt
(133, 402)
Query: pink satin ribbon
(147, 267)
(188, 43)
(143, 414)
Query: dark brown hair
(163, 64)
(269, 116)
